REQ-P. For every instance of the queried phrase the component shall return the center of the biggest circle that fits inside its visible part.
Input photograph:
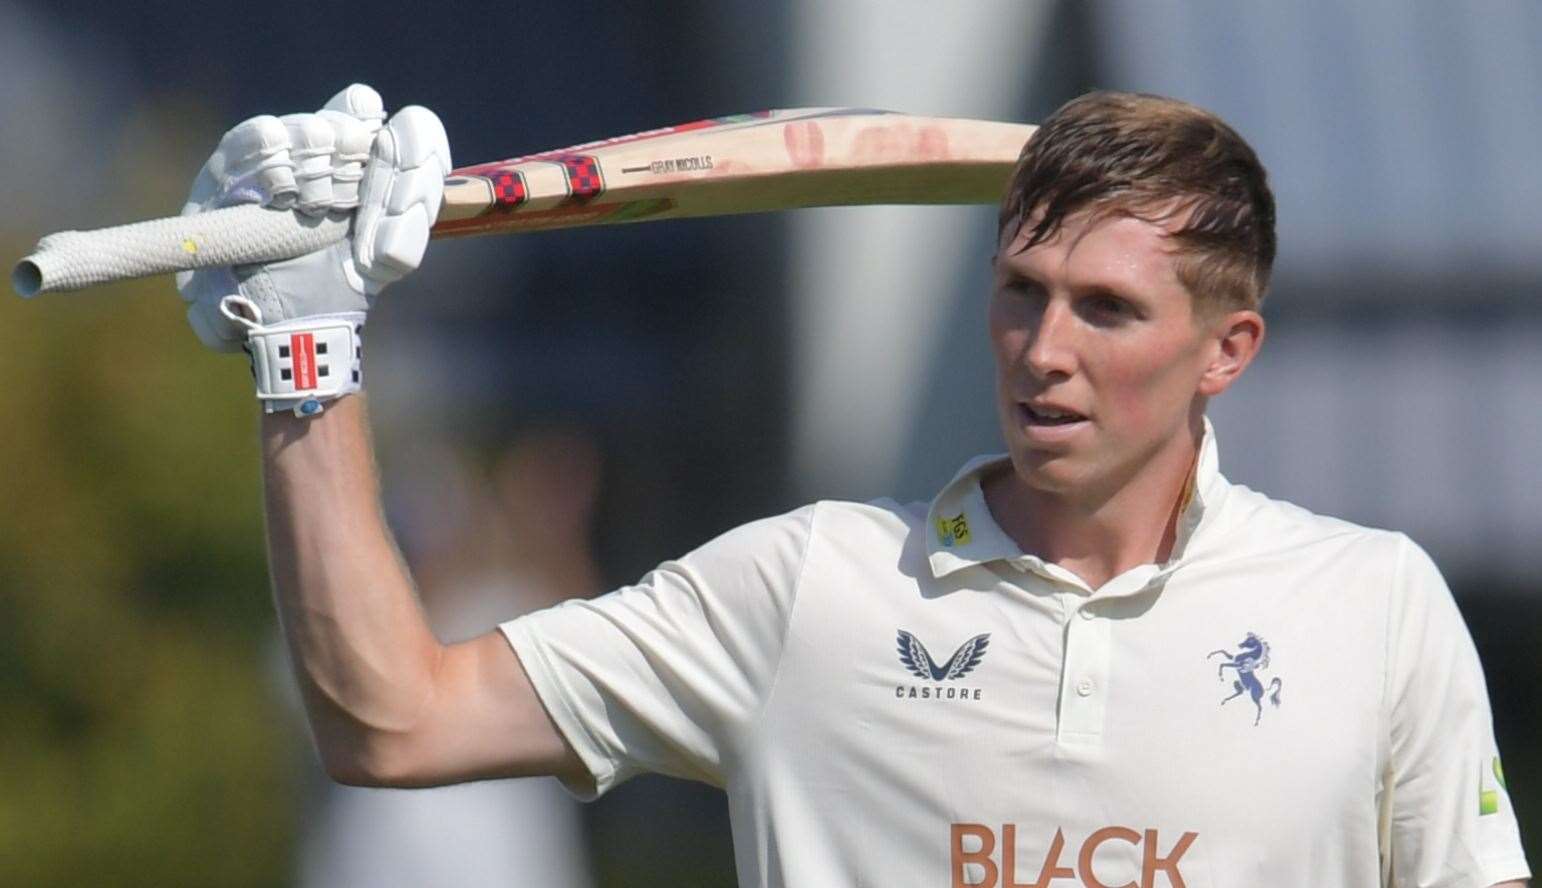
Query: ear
(1236, 337)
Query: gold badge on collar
(953, 531)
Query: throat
(1096, 540)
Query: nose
(1050, 353)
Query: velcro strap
(300, 364)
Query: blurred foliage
(142, 739)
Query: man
(1156, 676)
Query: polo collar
(961, 532)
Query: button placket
(1084, 678)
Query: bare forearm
(362, 651)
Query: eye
(1107, 305)
(1021, 287)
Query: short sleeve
(668, 675)
(1447, 815)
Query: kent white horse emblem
(1252, 656)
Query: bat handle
(239, 235)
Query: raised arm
(388, 703)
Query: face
(1102, 364)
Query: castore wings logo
(918, 660)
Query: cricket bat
(745, 163)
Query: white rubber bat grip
(239, 235)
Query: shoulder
(772, 536)
(884, 516)
(792, 532)
(819, 538)
(1258, 524)
(881, 530)
(774, 549)
(818, 523)
(778, 546)
(1371, 565)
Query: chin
(1047, 472)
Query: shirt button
(1086, 614)
(1085, 687)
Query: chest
(1206, 698)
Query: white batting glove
(301, 319)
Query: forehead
(1113, 251)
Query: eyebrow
(1095, 288)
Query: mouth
(1043, 426)
(1047, 416)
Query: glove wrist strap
(300, 364)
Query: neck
(1100, 534)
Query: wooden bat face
(745, 163)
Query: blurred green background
(143, 739)
(141, 735)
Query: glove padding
(339, 160)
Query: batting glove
(301, 319)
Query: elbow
(348, 765)
(377, 747)
(376, 762)
(350, 773)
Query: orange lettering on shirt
(1009, 857)
(1151, 863)
(982, 857)
(1052, 869)
(1090, 847)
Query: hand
(340, 160)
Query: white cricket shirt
(899, 696)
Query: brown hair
(1153, 158)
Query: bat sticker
(584, 179)
(509, 188)
(698, 164)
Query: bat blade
(747, 163)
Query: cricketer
(1090, 660)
